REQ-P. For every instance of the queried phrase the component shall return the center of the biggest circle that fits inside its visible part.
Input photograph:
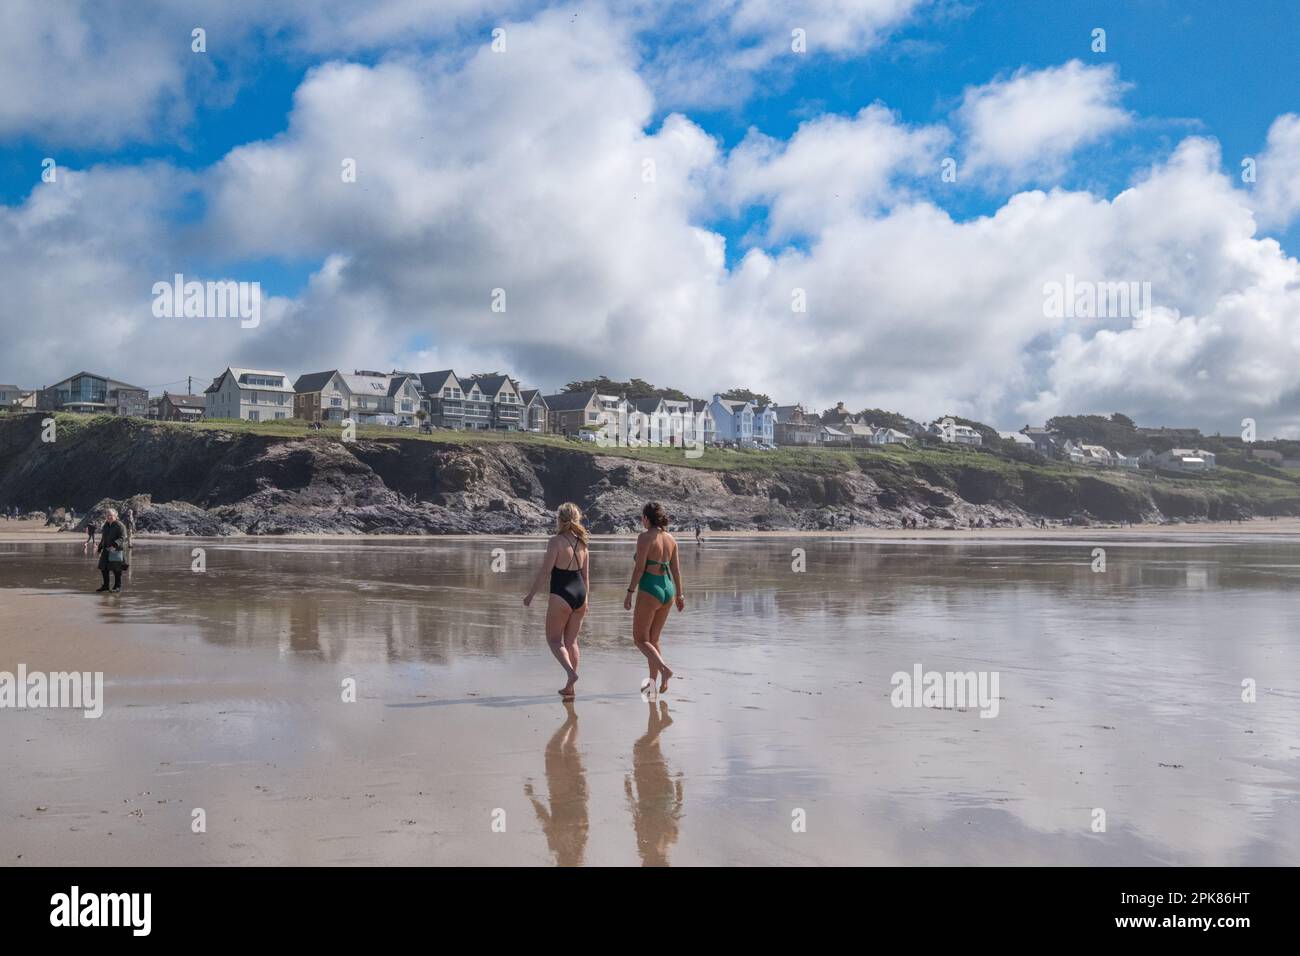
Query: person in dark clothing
(112, 550)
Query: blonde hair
(568, 518)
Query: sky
(867, 201)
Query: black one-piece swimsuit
(568, 583)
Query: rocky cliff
(185, 480)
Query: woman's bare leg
(643, 615)
(656, 628)
(558, 613)
(571, 629)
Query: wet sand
(1120, 690)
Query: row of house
(496, 402)
(1050, 445)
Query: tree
(883, 419)
(635, 389)
(745, 395)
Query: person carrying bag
(112, 551)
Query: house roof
(194, 401)
(489, 384)
(314, 381)
(568, 401)
(239, 373)
(1016, 437)
(106, 378)
(365, 384)
(647, 405)
(435, 382)
(833, 431)
(397, 380)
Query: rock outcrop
(189, 481)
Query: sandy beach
(224, 693)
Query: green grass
(889, 466)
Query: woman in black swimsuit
(568, 564)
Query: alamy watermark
(1084, 299)
(947, 690)
(36, 690)
(208, 300)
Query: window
(279, 415)
(253, 415)
(336, 401)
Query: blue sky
(1183, 58)
(157, 142)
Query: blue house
(743, 423)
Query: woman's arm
(638, 563)
(548, 562)
(675, 567)
(586, 578)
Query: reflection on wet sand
(657, 803)
(565, 823)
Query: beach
(225, 692)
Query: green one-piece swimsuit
(658, 586)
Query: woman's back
(570, 555)
(660, 546)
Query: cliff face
(209, 482)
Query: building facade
(249, 394)
(180, 408)
(95, 394)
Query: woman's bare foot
(567, 690)
(666, 674)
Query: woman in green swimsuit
(656, 581)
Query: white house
(953, 433)
(890, 436)
(254, 395)
(827, 435)
(1185, 459)
(1019, 439)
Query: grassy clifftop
(244, 469)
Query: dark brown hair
(655, 514)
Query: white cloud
(1277, 189)
(833, 167)
(526, 172)
(1025, 127)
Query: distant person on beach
(655, 590)
(89, 546)
(130, 523)
(697, 532)
(568, 564)
(112, 550)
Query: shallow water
(1119, 690)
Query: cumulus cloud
(1277, 193)
(833, 167)
(545, 173)
(82, 72)
(1024, 127)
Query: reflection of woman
(655, 589)
(565, 824)
(657, 804)
(568, 563)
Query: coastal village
(737, 419)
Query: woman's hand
(528, 599)
(627, 601)
(681, 603)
